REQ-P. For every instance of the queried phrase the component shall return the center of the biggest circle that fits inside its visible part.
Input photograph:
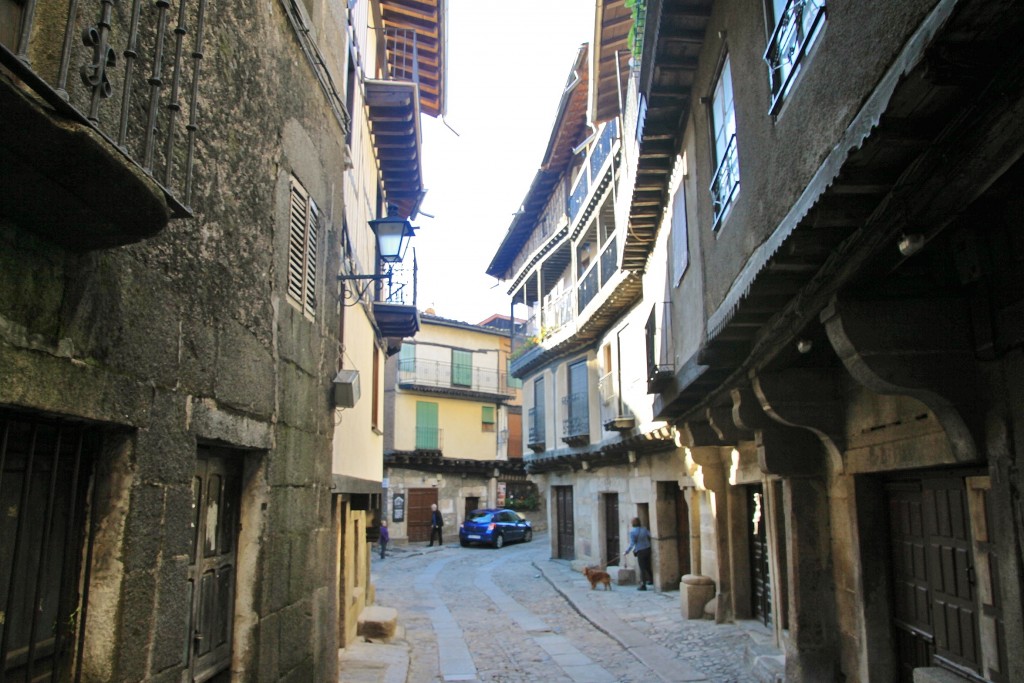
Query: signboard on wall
(501, 494)
(398, 508)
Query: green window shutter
(407, 358)
(462, 368)
(513, 383)
(487, 416)
(426, 426)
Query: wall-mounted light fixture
(911, 244)
(392, 234)
(804, 345)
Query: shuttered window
(304, 219)
(462, 368)
(487, 418)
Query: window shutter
(462, 368)
(303, 231)
(297, 244)
(487, 415)
(311, 247)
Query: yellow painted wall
(358, 446)
(459, 421)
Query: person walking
(384, 537)
(436, 522)
(640, 544)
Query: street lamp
(392, 233)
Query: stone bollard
(695, 591)
(622, 576)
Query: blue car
(495, 527)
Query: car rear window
(479, 516)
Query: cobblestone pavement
(515, 616)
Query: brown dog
(596, 576)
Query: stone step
(378, 623)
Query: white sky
(507, 65)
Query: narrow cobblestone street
(515, 616)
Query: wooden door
(216, 491)
(515, 433)
(934, 607)
(472, 503)
(611, 529)
(760, 581)
(565, 524)
(418, 513)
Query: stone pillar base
(695, 592)
(622, 576)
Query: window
(577, 403)
(487, 418)
(375, 408)
(537, 426)
(462, 368)
(427, 433)
(513, 382)
(678, 236)
(304, 221)
(407, 358)
(45, 472)
(726, 182)
(797, 24)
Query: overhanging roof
(428, 19)
(673, 38)
(394, 114)
(611, 30)
(566, 133)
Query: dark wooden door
(515, 433)
(216, 491)
(934, 605)
(760, 585)
(472, 503)
(418, 513)
(611, 529)
(565, 524)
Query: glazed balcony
(99, 117)
(591, 178)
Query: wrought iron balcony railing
(727, 180)
(429, 438)
(130, 73)
(401, 288)
(537, 428)
(445, 375)
(795, 32)
(577, 421)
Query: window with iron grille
(726, 182)
(303, 232)
(797, 24)
(44, 482)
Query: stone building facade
(454, 427)
(828, 244)
(170, 329)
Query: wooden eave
(610, 62)
(428, 18)
(672, 44)
(433, 461)
(930, 140)
(567, 132)
(394, 114)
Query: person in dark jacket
(640, 544)
(436, 522)
(384, 537)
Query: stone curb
(657, 658)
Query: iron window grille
(726, 180)
(45, 473)
(798, 25)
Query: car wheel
(528, 536)
(499, 540)
(464, 544)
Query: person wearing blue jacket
(640, 544)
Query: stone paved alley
(515, 616)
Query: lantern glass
(393, 235)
